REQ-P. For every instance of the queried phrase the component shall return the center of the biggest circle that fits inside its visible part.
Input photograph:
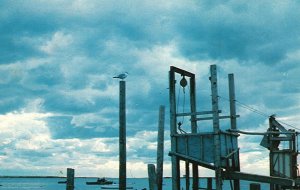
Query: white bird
(121, 76)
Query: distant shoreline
(39, 177)
(78, 177)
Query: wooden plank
(193, 160)
(258, 178)
(281, 138)
(196, 113)
(182, 72)
(207, 134)
(219, 117)
(259, 133)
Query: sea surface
(80, 184)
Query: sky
(59, 102)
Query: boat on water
(114, 186)
(100, 181)
(61, 182)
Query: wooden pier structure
(218, 149)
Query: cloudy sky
(59, 103)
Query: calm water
(51, 184)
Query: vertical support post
(173, 130)
(232, 101)
(70, 179)
(209, 183)
(254, 186)
(194, 127)
(122, 137)
(272, 173)
(152, 177)
(233, 121)
(187, 175)
(160, 147)
(216, 125)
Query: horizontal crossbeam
(193, 160)
(259, 178)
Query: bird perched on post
(121, 76)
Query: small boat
(60, 182)
(114, 186)
(100, 181)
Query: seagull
(121, 76)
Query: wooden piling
(254, 186)
(209, 183)
(216, 125)
(122, 136)
(173, 130)
(233, 120)
(70, 179)
(187, 175)
(152, 177)
(194, 128)
(232, 101)
(160, 147)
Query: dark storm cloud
(244, 31)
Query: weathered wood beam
(219, 117)
(182, 72)
(193, 160)
(196, 113)
(258, 178)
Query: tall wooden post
(122, 137)
(194, 127)
(160, 147)
(173, 130)
(232, 101)
(70, 179)
(216, 125)
(233, 119)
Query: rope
(183, 107)
(259, 112)
(178, 99)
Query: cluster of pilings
(217, 150)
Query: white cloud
(89, 95)
(59, 42)
(18, 126)
(255, 162)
